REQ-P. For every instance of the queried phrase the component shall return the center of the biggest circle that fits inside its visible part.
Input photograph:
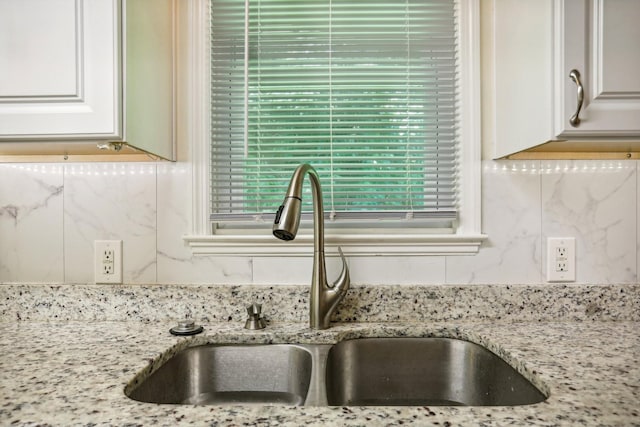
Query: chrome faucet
(323, 298)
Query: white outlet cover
(554, 256)
(100, 247)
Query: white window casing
(372, 239)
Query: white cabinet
(60, 68)
(75, 74)
(538, 43)
(601, 41)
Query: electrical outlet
(108, 261)
(561, 259)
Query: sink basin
(422, 371)
(230, 374)
(358, 372)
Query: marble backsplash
(50, 214)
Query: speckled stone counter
(70, 372)
(430, 303)
(74, 373)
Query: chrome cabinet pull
(575, 119)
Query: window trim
(202, 240)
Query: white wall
(50, 214)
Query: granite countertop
(74, 373)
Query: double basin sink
(357, 372)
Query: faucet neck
(295, 190)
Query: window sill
(351, 244)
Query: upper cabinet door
(59, 69)
(602, 42)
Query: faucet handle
(255, 321)
(343, 280)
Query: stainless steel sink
(359, 372)
(422, 371)
(227, 374)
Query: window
(371, 93)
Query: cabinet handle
(575, 119)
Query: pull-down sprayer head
(285, 226)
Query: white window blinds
(363, 90)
